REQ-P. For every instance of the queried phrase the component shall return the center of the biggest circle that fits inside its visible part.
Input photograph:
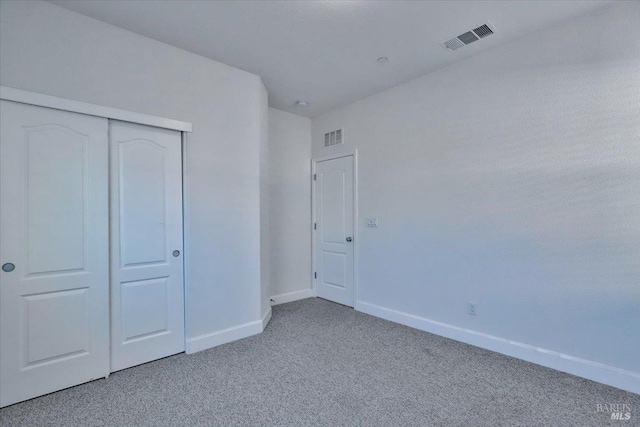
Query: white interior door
(147, 298)
(54, 283)
(334, 230)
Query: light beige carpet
(322, 364)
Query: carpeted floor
(320, 363)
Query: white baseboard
(266, 318)
(214, 339)
(291, 296)
(620, 378)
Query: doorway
(334, 228)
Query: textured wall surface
(510, 179)
(265, 241)
(51, 50)
(289, 202)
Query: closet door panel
(143, 200)
(54, 300)
(146, 242)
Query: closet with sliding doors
(91, 242)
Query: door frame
(353, 153)
(186, 253)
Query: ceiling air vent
(483, 31)
(333, 138)
(453, 44)
(469, 37)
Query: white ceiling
(325, 52)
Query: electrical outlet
(472, 308)
(372, 222)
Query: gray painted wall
(51, 50)
(265, 244)
(510, 179)
(289, 202)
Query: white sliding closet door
(147, 298)
(54, 282)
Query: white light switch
(372, 222)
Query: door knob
(176, 253)
(8, 267)
(349, 239)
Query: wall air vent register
(333, 138)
